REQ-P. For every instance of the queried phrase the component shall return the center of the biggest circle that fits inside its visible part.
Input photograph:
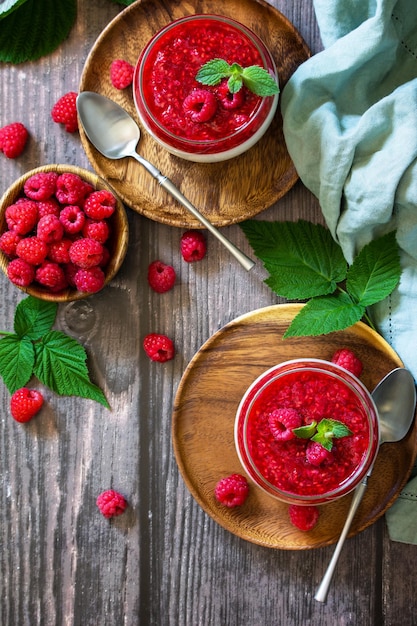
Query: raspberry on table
(161, 277)
(111, 503)
(232, 490)
(64, 111)
(193, 246)
(282, 421)
(86, 253)
(13, 138)
(96, 229)
(89, 280)
(50, 274)
(72, 219)
(8, 242)
(71, 189)
(200, 105)
(316, 454)
(348, 359)
(304, 517)
(100, 205)
(58, 251)
(32, 250)
(121, 73)
(20, 272)
(22, 216)
(159, 347)
(41, 186)
(50, 229)
(25, 403)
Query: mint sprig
(324, 432)
(305, 263)
(255, 78)
(57, 360)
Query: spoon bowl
(115, 134)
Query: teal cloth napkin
(350, 124)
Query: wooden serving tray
(204, 415)
(227, 192)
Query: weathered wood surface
(165, 562)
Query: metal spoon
(116, 135)
(395, 399)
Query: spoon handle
(169, 186)
(321, 593)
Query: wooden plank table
(165, 562)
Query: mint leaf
(35, 29)
(324, 315)
(376, 271)
(61, 365)
(305, 432)
(258, 80)
(212, 72)
(17, 358)
(34, 317)
(302, 258)
(329, 429)
(7, 6)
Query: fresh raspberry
(159, 347)
(232, 490)
(8, 242)
(96, 229)
(70, 271)
(228, 99)
(89, 280)
(282, 421)
(72, 219)
(32, 250)
(25, 403)
(58, 251)
(111, 503)
(51, 275)
(48, 207)
(200, 105)
(41, 186)
(161, 277)
(121, 73)
(22, 216)
(86, 253)
(71, 189)
(20, 272)
(100, 205)
(50, 229)
(316, 454)
(13, 138)
(64, 112)
(303, 517)
(193, 246)
(347, 359)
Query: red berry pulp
(282, 467)
(165, 78)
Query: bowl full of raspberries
(63, 233)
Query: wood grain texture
(226, 192)
(165, 562)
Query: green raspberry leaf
(34, 317)
(7, 6)
(307, 431)
(303, 259)
(376, 271)
(61, 365)
(259, 81)
(35, 29)
(329, 429)
(212, 72)
(17, 358)
(324, 315)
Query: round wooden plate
(203, 423)
(227, 192)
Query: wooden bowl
(117, 242)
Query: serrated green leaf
(376, 271)
(302, 258)
(34, 317)
(35, 29)
(234, 84)
(305, 432)
(17, 358)
(329, 429)
(259, 81)
(61, 365)
(7, 6)
(212, 72)
(324, 315)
